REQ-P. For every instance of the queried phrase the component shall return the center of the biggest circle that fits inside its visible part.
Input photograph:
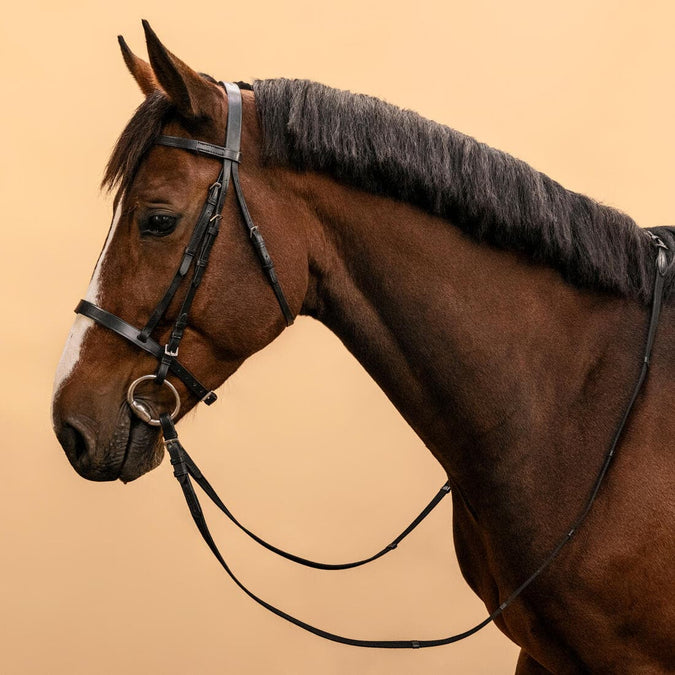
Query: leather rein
(195, 259)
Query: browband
(200, 147)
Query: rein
(196, 257)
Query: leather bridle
(196, 258)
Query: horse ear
(139, 68)
(192, 95)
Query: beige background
(107, 578)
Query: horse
(503, 315)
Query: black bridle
(195, 258)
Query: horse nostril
(74, 442)
(86, 457)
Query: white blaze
(71, 351)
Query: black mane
(140, 135)
(489, 194)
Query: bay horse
(503, 315)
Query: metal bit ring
(141, 409)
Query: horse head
(160, 198)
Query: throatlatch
(196, 257)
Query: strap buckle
(658, 242)
(176, 458)
(661, 258)
(169, 352)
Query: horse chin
(144, 450)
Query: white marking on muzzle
(71, 351)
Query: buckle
(658, 242)
(168, 352)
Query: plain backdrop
(108, 578)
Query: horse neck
(512, 377)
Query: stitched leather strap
(130, 333)
(234, 116)
(204, 484)
(191, 251)
(181, 467)
(261, 249)
(200, 147)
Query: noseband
(195, 258)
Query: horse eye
(159, 224)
